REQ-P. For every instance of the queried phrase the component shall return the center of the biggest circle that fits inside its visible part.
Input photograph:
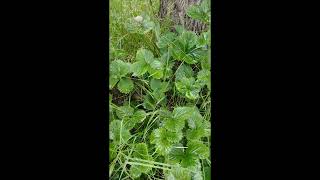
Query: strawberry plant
(159, 101)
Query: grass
(120, 12)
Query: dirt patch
(118, 98)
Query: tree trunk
(176, 10)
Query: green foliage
(130, 117)
(184, 47)
(140, 24)
(118, 132)
(118, 72)
(164, 139)
(200, 12)
(145, 62)
(166, 40)
(140, 152)
(159, 99)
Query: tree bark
(176, 11)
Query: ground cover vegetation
(159, 93)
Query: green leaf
(205, 6)
(184, 71)
(148, 26)
(205, 61)
(164, 139)
(197, 175)
(135, 171)
(188, 87)
(184, 46)
(196, 134)
(198, 148)
(193, 94)
(180, 55)
(196, 120)
(200, 12)
(203, 39)
(182, 113)
(145, 56)
(119, 69)
(158, 85)
(180, 29)
(189, 40)
(157, 74)
(124, 111)
(112, 151)
(189, 160)
(125, 85)
(194, 12)
(148, 102)
(147, 62)
(174, 125)
(207, 173)
(182, 86)
(173, 137)
(139, 68)
(168, 73)
(141, 152)
(129, 117)
(139, 116)
(159, 97)
(118, 133)
(179, 173)
(156, 64)
(203, 77)
(164, 113)
(176, 153)
(166, 40)
(113, 81)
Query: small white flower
(138, 18)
